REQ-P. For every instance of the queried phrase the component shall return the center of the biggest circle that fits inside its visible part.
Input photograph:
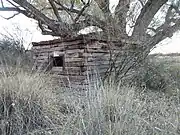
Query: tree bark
(121, 15)
(144, 19)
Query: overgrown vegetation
(13, 54)
(26, 103)
(158, 74)
(31, 104)
(147, 104)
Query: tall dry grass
(26, 103)
(30, 104)
(114, 110)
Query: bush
(153, 75)
(13, 54)
(174, 71)
(25, 104)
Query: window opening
(58, 61)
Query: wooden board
(74, 64)
(73, 59)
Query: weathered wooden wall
(73, 65)
(83, 57)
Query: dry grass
(31, 105)
(26, 103)
(121, 111)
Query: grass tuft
(25, 100)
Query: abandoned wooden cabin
(76, 61)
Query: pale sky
(34, 35)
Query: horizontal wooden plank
(86, 64)
(94, 71)
(113, 51)
(41, 54)
(72, 43)
(57, 69)
(73, 59)
(72, 68)
(44, 57)
(58, 48)
(59, 42)
(103, 46)
(79, 46)
(43, 51)
(42, 60)
(73, 64)
(96, 63)
(41, 47)
(74, 55)
(100, 59)
(96, 51)
(94, 55)
(74, 51)
(80, 63)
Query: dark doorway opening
(58, 61)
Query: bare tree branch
(146, 16)
(115, 25)
(142, 4)
(55, 10)
(168, 20)
(176, 8)
(82, 10)
(2, 4)
(83, 2)
(72, 4)
(60, 28)
(23, 12)
(104, 6)
(10, 9)
(91, 19)
(121, 13)
(153, 29)
(161, 35)
(8, 18)
(67, 10)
